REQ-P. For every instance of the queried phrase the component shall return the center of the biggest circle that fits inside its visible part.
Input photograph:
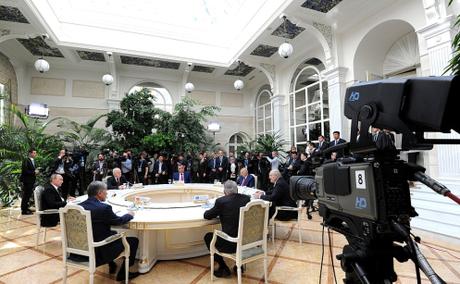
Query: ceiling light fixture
(238, 84)
(285, 49)
(41, 65)
(108, 78)
(189, 87)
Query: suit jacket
(28, 171)
(187, 177)
(222, 164)
(323, 146)
(227, 208)
(103, 217)
(332, 143)
(164, 167)
(279, 195)
(50, 199)
(113, 184)
(250, 182)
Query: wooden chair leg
(273, 232)
(44, 235)
(38, 236)
(212, 266)
(239, 274)
(265, 270)
(64, 274)
(91, 278)
(126, 270)
(299, 229)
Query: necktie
(33, 163)
(244, 182)
(181, 177)
(118, 181)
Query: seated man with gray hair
(117, 181)
(278, 196)
(227, 208)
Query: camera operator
(263, 169)
(305, 165)
(278, 196)
(62, 166)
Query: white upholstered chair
(273, 221)
(251, 242)
(77, 238)
(39, 212)
(255, 180)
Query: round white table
(169, 223)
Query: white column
(336, 88)
(278, 115)
(444, 160)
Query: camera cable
(330, 253)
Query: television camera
(365, 196)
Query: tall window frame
(264, 113)
(234, 142)
(309, 109)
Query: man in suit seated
(245, 179)
(278, 196)
(227, 208)
(181, 175)
(51, 199)
(117, 181)
(103, 218)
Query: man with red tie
(245, 179)
(181, 175)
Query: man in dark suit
(103, 218)
(278, 196)
(322, 144)
(227, 208)
(182, 175)
(292, 167)
(245, 179)
(221, 166)
(117, 181)
(337, 141)
(160, 171)
(28, 177)
(100, 168)
(51, 199)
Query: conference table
(168, 218)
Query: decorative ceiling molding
(264, 50)
(291, 31)
(326, 31)
(241, 70)
(149, 62)
(12, 14)
(38, 47)
(91, 55)
(203, 69)
(322, 6)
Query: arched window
(235, 141)
(264, 121)
(162, 98)
(308, 106)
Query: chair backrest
(76, 230)
(253, 226)
(255, 180)
(38, 197)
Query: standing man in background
(28, 177)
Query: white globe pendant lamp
(41, 65)
(189, 87)
(238, 84)
(285, 50)
(107, 79)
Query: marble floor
(289, 261)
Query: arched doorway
(308, 104)
(161, 96)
